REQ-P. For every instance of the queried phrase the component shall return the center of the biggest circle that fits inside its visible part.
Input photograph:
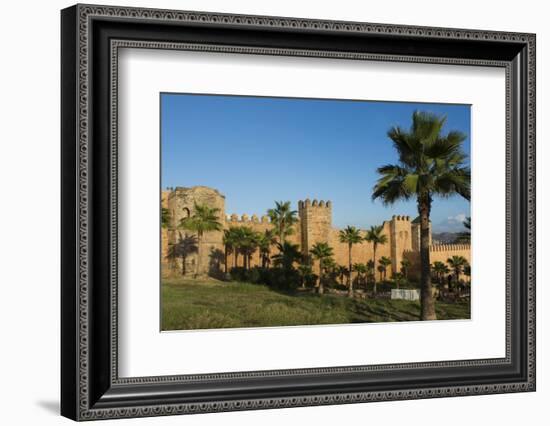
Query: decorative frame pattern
(93, 401)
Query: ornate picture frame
(90, 39)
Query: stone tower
(315, 222)
(181, 204)
(400, 240)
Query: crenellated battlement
(401, 218)
(302, 204)
(244, 218)
(449, 247)
(443, 248)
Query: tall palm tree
(305, 270)
(205, 219)
(248, 243)
(321, 252)
(237, 235)
(370, 270)
(384, 263)
(457, 264)
(430, 164)
(287, 256)
(283, 218)
(230, 242)
(183, 247)
(267, 239)
(350, 236)
(440, 270)
(227, 248)
(376, 237)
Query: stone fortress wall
(314, 225)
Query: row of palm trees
(244, 241)
(456, 265)
(352, 236)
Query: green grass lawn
(191, 304)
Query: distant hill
(444, 237)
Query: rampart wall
(314, 225)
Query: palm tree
(397, 278)
(342, 271)
(230, 245)
(236, 237)
(350, 236)
(183, 247)
(305, 270)
(440, 270)
(248, 243)
(405, 266)
(381, 271)
(361, 270)
(457, 264)
(376, 237)
(466, 236)
(321, 252)
(384, 263)
(370, 270)
(267, 239)
(430, 164)
(330, 266)
(283, 219)
(204, 219)
(287, 256)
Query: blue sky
(256, 150)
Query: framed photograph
(263, 212)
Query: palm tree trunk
(183, 259)
(350, 293)
(236, 259)
(321, 289)
(197, 269)
(374, 273)
(225, 261)
(426, 296)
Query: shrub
(237, 273)
(279, 278)
(283, 279)
(310, 280)
(254, 275)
